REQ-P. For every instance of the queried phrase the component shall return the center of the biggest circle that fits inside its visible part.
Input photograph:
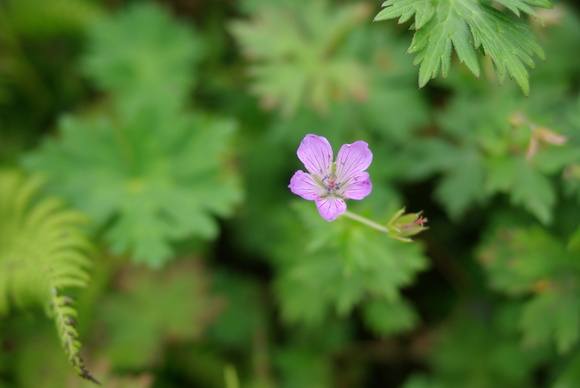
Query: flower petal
(304, 185)
(316, 154)
(358, 187)
(330, 207)
(352, 159)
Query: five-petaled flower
(329, 183)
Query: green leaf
(343, 263)
(42, 250)
(433, 45)
(524, 6)
(468, 25)
(384, 317)
(157, 179)
(492, 157)
(530, 261)
(518, 259)
(501, 172)
(462, 186)
(298, 54)
(533, 191)
(143, 57)
(562, 327)
(424, 10)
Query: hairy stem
(366, 221)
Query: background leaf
(43, 251)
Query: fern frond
(64, 316)
(42, 251)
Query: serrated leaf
(468, 25)
(151, 183)
(524, 6)
(297, 54)
(351, 263)
(433, 45)
(405, 9)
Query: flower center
(330, 184)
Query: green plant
(303, 57)
(150, 172)
(43, 251)
(469, 26)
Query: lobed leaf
(120, 59)
(299, 54)
(169, 193)
(469, 25)
(343, 264)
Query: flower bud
(402, 226)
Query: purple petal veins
(353, 159)
(359, 186)
(328, 184)
(316, 154)
(304, 185)
(330, 207)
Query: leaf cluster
(119, 60)
(346, 266)
(531, 262)
(149, 172)
(503, 152)
(469, 26)
(301, 56)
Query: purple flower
(329, 183)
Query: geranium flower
(329, 183)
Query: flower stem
(366, 221)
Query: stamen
(331, 184)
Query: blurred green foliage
(42, 252)
(146, 148)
